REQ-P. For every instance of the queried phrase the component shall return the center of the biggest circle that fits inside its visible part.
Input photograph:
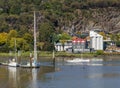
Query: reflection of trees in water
(33, 76)
(44, 70)
(28, 77)
(4, 83)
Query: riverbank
(50, 54)
(60, 54)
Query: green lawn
(50, 54)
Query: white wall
(60, 47)
(96, 41)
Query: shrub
(99, 52)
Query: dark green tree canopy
(54, 17)
(46, 31)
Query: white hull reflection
(85, 64)
(97, 60)
(13, 81)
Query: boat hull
(34, 65)
(77, 60)
(13, 64)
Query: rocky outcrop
(107, 19)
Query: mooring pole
(30, 59)
(53, 56)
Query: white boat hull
(34, 65)
(78, 60)
(13, 64)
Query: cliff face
(84, 15)
(107, 19)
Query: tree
(55, 38)
(28, 37)
(21, 44)
(15, 8)
(12, 34)
(63, 38)
(117, 39)
(103, 34)
(118, 43)
(40, 45)
(45, 32)
(3, 38)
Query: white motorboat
(78, 60)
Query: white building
(96, 41)
(61, 47)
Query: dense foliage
(53, 17)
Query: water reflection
(26, 77)
(38, 75)
(63, 75)
(33, 82)
(13, 77)
(105, 75)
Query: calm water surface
(104, 74)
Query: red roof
(78, 40)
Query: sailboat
(13, 62)
(33, 63)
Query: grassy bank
(50, 54)
(59, 54)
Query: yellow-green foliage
(103, 34)
(12, 34)
(3, 38)
(21, 44)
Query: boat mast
(15, 50)
(35, 47)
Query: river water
(96, 74)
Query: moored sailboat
(13, 62)
(33, 61)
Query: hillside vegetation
(56, 17)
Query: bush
(118, 43)
(99, 52)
